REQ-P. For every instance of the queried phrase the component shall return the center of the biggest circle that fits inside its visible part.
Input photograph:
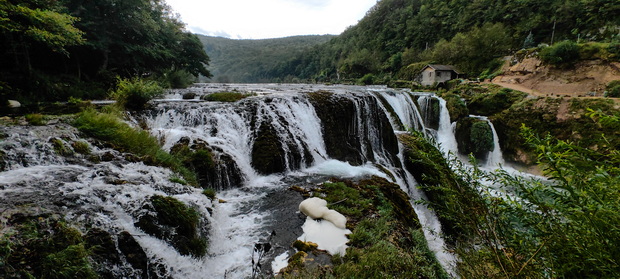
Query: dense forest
(469, 34)
(51, 50)
(248, 61)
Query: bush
(367, 79)
(177, 79)
(613, 89)
(35, 119)
(561, 54)
(135, 93)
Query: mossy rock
(175, 223)
(268, 155)
(305, 246)
(189, 96)
(44, 246)
(456, 106)
(213, 171)
(563, 118)
(474, 136)
(344, 138)
(60, 147)
(492, 103)
(228, 97)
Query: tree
(35, 23)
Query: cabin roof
(438, 67)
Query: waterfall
(495, 157)
(298, 138)
(445, 132)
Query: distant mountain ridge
(248, 61)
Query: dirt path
(516, 87)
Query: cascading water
(495, 158)
(307, 140)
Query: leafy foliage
(56, 49)
(613, 89)
(134, 93)
(561, 54)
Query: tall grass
(108, 126)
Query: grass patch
(109, 127)
(226, 96)
(210, 193)
(35, 119)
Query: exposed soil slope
(586, 78)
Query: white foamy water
(324, 233)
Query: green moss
(481, 137)
(81, 147)
(305, 246)
(176, 179)
(43, 247)
(226, 96)
(60, 148)
(494, 102)
(176, 223)
(35, 119)
(456, 106)
(71, 262)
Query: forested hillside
(52, 50)
(469, 34)
(250, 60)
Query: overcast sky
(259, 19)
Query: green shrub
(562, 54)
(225, 97)
(613, 89)
(177, 79)
(481, 136)
(367, 79)
(134, 93)
(35, 119)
